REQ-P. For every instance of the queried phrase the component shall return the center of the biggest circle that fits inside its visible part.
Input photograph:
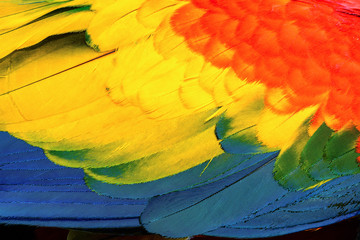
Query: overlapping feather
(151, 97)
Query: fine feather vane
(228, 113)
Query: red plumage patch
(310, 49)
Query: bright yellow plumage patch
(91, 110)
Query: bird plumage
(217, 115)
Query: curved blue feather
(35, 191)
(330, 203)
(250, 206)
(208, 207)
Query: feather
(281, 211)
(35, 191)
(224, 118)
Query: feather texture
(183, 117)
(35, 191)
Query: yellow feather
(178, 158)
(279, 131)
(193, 96)
(37, 31)
(47, 82)
(152, 12)
(134, 138)
(169, 44)
(15, 15)
(116, 25)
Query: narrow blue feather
(330, 203)
(34, 191)
(208, 207)
(250, 206)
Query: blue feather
(35, 191)
(249, 206)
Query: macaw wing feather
(260, 207)
(25, 25)
(210, 171)
(34, 191)
(311, 210)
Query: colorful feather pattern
(230, 118)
